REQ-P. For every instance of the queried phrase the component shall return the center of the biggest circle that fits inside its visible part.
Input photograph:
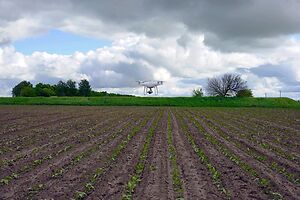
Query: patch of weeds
(35, 189)
(152, 168)
(80, 195)
(58, 173)
(7, 179)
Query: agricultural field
(86, 152)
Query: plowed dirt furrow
(44, 121)
(112, 188)
(31, 130)
(12, 114)
(74, 140)
(112, 182)
(281, 131)
(286, 188)
(239, 183)
(242, 132)
(64, 131)
(156, 180)
(262, 135)
(53, 134)
(23, 119)
(197, 180)
(266, 157)
(285, 119)
(43, 173)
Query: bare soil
(51, 152)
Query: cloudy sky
(114, 43)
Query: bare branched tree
(226, 85)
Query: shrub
(244, 93)
(198, 92)
(27, 92)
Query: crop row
(266, 159)
(139, 167)
(90, 184)
(278, 134)
(262, 181)
(58, 138)
(255, 136)
(175, 172)
(30, 137)
(95, 147)
(215, 174)
(39, 161)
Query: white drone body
(149, 86)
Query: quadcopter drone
(149, 86)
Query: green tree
(71, 88)
(244, 93)
(27, 92)
(198, 92)
(61, 88)
(16, 91)
(84, 88)
(45, 90)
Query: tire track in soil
(240, 184)
(20, 186)
(113, 183)
(279, 183)
(156, 182)
(72, 181)
(197, 181)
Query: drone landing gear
(150, 91)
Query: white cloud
(182, 43)
(137, 57)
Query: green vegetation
(89, 186)
(140, 166)
(249, 150)
(244, 93)
(197, 92)
(69, 88)
(154, 101)
(175, 172)
(263, 182)
(216, 175)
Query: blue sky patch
(59, 42)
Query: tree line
(225, 86)
(62, 88)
